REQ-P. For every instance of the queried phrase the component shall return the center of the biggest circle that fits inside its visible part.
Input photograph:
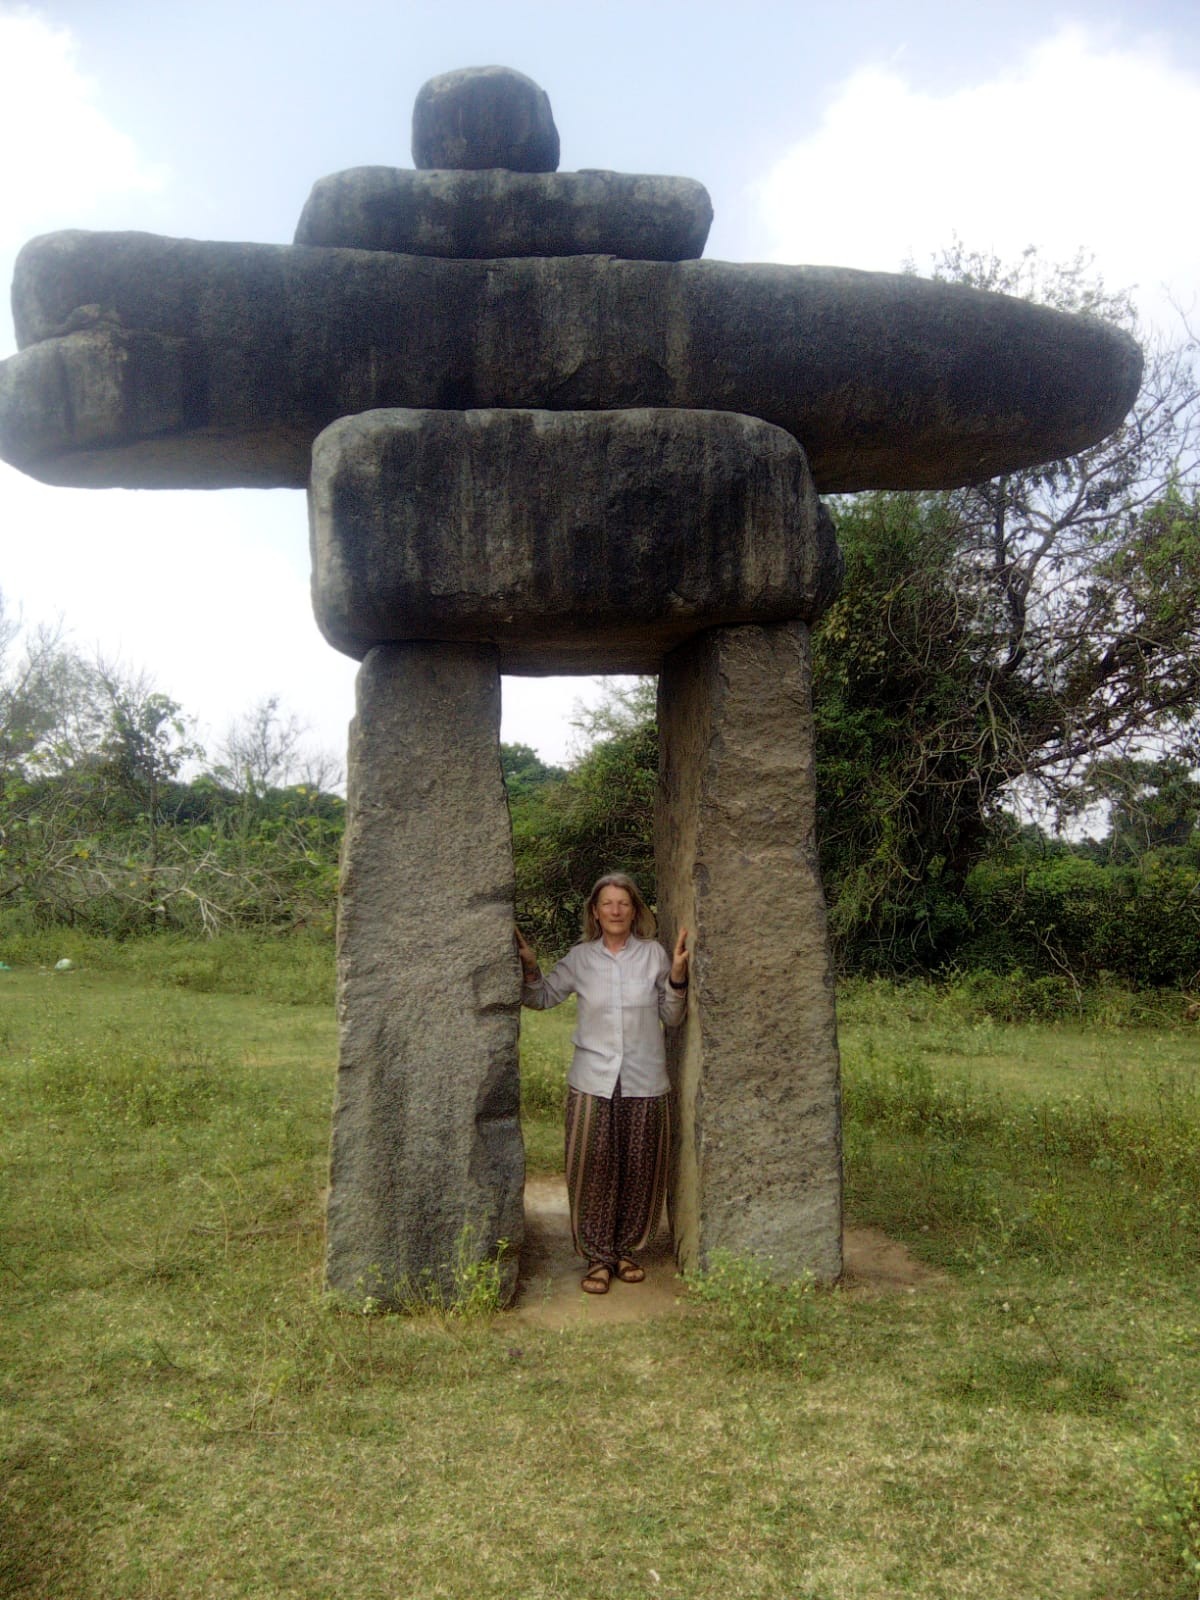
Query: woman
(618, 1132)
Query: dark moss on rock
(886, 380)
(576, 541)
(484, 117)
(484, 214)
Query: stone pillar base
(757, 1166)
(428, 1167)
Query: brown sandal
(629, 1272)
(597, 1280)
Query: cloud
(1083, 145)
(208, 593)
(63, 161)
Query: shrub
(763, 1321)
(1073, 918)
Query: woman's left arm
(672, 986)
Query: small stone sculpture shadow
(549, 1296)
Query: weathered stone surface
(426, 1137)
(486, 214)
(99, 383)
(887, 381)
(579, 541)
(758, 1157)
(484, 117)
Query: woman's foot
(629, 1272)
(597, 1280)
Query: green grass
(951, 1029)
(1062, 1144)
(545, 1057)
(296, 969)
(182, 1414)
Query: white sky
(860, 133)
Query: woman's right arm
(540, 992)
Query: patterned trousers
(617, 1154)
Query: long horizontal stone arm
(155, 362)
(576, 541)
(498, 213)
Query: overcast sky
(861, 134)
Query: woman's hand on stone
(528, 955)
(679, 961)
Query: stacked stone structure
(540, 434)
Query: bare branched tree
(261, 749)
(1009, 633)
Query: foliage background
(1007, 711)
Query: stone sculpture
(539, 434)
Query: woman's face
(614, 912)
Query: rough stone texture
(887, 381)
(579, 541)
(484, 117)
(99, 384)
(484, 214)
(758, 1160)
(426, 1137)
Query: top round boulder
(482, 117)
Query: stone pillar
(757, 1166)
(427, 1155)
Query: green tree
(597, 818)
(264, 830)
(525, 772)
(145, 745)
(1152, 805)
(49, 714)
(99, 828)
(1006, 634)
(51, 721)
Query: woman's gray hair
(644, 924)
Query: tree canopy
(99, 827)
(1005, 637)
(598, 817)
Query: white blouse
(623, 995)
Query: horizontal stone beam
(578, 541)
(222, 362)
(498, 213)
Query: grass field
(183, 1415)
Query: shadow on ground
(549, 1296)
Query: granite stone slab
(577, 541)
(223, 362)
(427, 1163)
(484, 117)
(755, 1069)
(487, 214)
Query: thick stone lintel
(578, 541)
(497, 213)
(427, 1158)
(887, 381)
(757, 1166)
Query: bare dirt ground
(549, 1296)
